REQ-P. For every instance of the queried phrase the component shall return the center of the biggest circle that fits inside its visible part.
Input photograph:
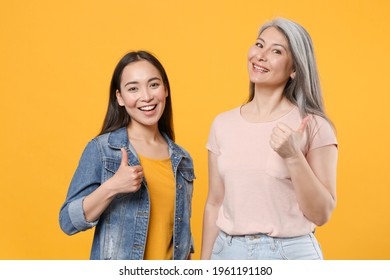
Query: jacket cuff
(77, 216)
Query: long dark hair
(117, 116)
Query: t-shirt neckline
(265, 122)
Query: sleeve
(86, 179)
(212, 143)
(322, 134)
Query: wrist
(108, 189)
(298, 157)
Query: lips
(260, 68)
(147, 108)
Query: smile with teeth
(260, 68)
(148, 108)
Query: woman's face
(270, 60)
(142, 93)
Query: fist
(127, 178)
(286, 141)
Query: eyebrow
(135, 82)
(275, 44)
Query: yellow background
(56, 62)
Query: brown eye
(259, 45)
(277, 52)
(132, 89)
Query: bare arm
(314, 180)
(213, 203)
(313, 177)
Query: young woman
(272, 161)
(133, 182)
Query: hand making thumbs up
(287, 142)
(127, 178)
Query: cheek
(289, 64)
(281, 64)
(161, 95)
(289, 69)
(130, 101)
(251, 52)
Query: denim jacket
(122, 228)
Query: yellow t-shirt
(161, 187)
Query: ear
(292, 75)
(119, 98)
(166, 93)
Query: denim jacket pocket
(111, 165)
(276, 167)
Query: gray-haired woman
(272, 161)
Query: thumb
(125, 157)
(304, 124)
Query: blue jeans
(263, 247)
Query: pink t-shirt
(259, 195)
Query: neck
(267, 101)
(147, 134)
(267, 104)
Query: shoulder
(227, 116)
(106, 144)
(233, 113)
(184, 152)
(181, 155)
(101, 138)
(318, 123)
(321, 132)
(176, 148)
(99, 143)
(92, 153)
(116, 139)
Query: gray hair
(304, 90)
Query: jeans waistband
(248, 236)
(255, 235)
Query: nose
(146, 96)
(261, 56)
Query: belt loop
(273, 243)
(229, 239)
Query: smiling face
(270, 60)
(142, 93)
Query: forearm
(314, 198)
(96, 202)
(210, 230)
(214, 201)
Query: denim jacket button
(179, 186)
